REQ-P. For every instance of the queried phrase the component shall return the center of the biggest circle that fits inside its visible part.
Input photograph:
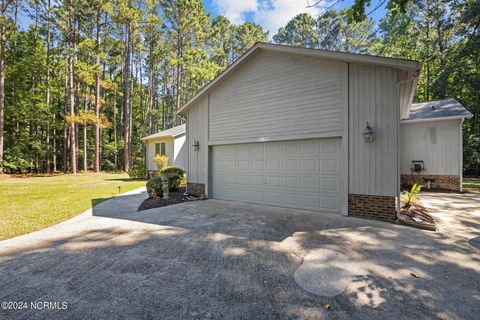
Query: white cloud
(235, 10)
(270, 14)
(273, 14)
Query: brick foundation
(436, 181)
(196, 189)
(372, 207)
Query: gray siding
(277, 96)
(437, 143)
(197, 130)
(373, 96)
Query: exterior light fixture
(195, 146)
(368, 134)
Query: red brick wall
(372, 207)
(441, 181)
(195, 189)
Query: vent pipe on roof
(433, 107)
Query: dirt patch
(414, 212)
(173, 198)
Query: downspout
(399, 174)
(461, 154)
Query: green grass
(471, 185)
(31, 203)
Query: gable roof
(439, 109)
(402, 64)
(172, 132)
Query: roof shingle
(437, 109)
(172, 132)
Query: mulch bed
(173, 198)
(418, 211)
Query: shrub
(137, 173)
(174, 175)
(411, 196)
(161, 161)
(154, 187)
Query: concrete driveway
(215, 260)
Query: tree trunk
(71, 94)
(3, 41)
(54, 139)
(115, 130)
(85, 136)
(96, 160)
(126, 101)
(47, 84)
(65, 124)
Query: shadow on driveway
(216, 259)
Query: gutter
(436, 119)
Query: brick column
(372, 207)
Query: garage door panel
(258, 180)
(329, 184)
(274, 149)
(274, 165)
(290, 182)
(258, 150)
(244, 179)
(330, 166)
(243, 164)
(273, 197)
(308, 183)
(308, 165)
(329, 203)
(244, 195)
(298, 174)
(290, 165)
(244, 150)
(230, 165)
(258, 165)
(308, 201)
(328, 146)
(308, 147)
(273, 181)
(258, 196)
(290, 148)
(289, 199)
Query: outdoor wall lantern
(195, 146)
(368, 134)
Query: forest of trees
(89, 78)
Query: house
(170, 143)
(302, 128)
(431, 144)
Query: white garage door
(298, 174)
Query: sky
(270, 14)
(273, 14)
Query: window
(160, 148)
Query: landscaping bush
(411, 196)
(154, 187)
(137, 173)
(174, 175)
(161, 161)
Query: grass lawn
(31, 203)
(471, 185)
